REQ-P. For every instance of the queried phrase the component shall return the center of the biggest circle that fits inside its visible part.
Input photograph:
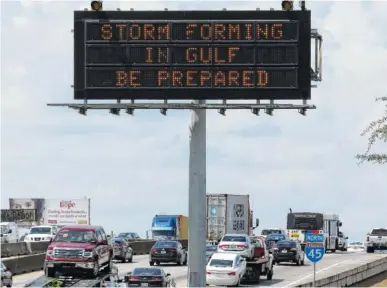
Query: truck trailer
(226, 214)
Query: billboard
(18, 215)
(36, 204)
(192, 55)
(67, 211)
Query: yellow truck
(173, 227)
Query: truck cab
(9, 232)
(169, 227)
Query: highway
(286, 275)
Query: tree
(377, 130)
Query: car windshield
(128, 235)
(40, 230)
(221, 263)
(270, 231)
(275, 237)
(281, 244)
(165, 244)
(211, 248)
(229, 238)
(82, 236)
(146, 271)
(4, 229)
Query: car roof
(224, 256)
(81, 227)
(244, 235)
(42, 226)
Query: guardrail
(351, 276)
(27, 257)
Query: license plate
(284, 251)
(232, 246)
(144, 284)
(295, 235)
(162, 252)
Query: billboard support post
(197, 198)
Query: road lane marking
(317, 272)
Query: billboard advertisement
(36, 204)
(67, 211)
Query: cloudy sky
(135, 167)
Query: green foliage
(377, 130)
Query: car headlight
(49, 252)
(87, 254)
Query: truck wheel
(130, 259)
(370, 249)
(50, 272)
(269, 275)
(109, 266)
(95, 271)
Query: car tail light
(157, 278)
(208, 273)
(223, 246)
(153, 250)
(293, 249)
(245, 246)
(231, 273)
(133, 278)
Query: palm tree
(377, 130)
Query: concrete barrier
(24, 248)
(351, 276)
(24, 264)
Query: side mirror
(50, 240)
(346, 237)
(243, 259)
(168, 274)
(257, 222)
(341, 224)
(185, 247)
(130, 245)
(10, 231)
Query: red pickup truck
(77, 249)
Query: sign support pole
(314, 274)
(197, 198)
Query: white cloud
(134, 167)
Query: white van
(9, 232)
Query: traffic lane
(138, 260)
(289, 275)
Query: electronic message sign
(192, 55)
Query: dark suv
(288, 251)
(167, 252)
(80, 248)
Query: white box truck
(226, 214)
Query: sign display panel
(192, 55)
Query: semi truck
(228, 214)
(170, 227)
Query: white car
(357, 246)
(41, 233)
(225, 269)
(236, 243)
